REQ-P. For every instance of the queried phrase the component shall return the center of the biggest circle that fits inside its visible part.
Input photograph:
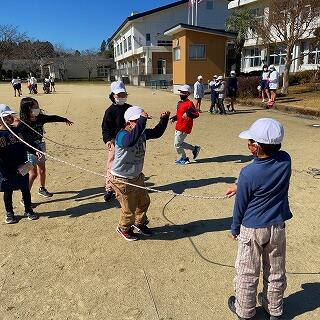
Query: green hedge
(301, 77)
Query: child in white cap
(260, 211)
(112, 123)
(14, 165)
(273, 85)
(186, 112)
(221, 91)
(198, 92)
(130, 147)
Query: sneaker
(10, 218)
(195, 152)
(183, 161)
(108, 196)
(127, 235)
(232, 307)
(33, 205)
(260, 300)
(44, 192)
(31, 215)
(144, 230)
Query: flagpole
(188, 14)
(196, 18)
(192, 12)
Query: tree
(103, 46)
(285, 23)
(240, 21)
(89, 59)
(10, 37)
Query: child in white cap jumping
(260, 211)
(112, 123)
(186, 112)
(130, 147)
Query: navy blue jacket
(262, 194)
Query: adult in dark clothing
(30, 113)
(113, 121)
(13, 158)
(232, 88)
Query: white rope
(61, 144)
(104, 176)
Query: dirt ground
(71, 264)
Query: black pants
(221, 106)
(26, 196)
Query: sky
(76, 24)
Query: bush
(247, 87)
(301, 77)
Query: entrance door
(162, 66)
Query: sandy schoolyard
(71, 264)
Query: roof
(146, 13)
(182, 26)
(238, 3)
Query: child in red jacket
(186, 112)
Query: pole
(188, 14)
(192, 3)
(196, 19)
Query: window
(277, 56)
(252, 57)
(209, 5)
(148, 38)
(129, 43)
(165, 43)
(176, 54)
(197, 52)
(102, 71)
(118, 49)
(125, 48)
(314, 55)
(121, 48)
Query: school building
(197, 51)
(306, 55)
(143, 43)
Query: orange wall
(185, 70)
(161, 56)
(179, 67)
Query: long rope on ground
(61, 144)
(104, 176)
(315, 172)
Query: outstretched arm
(160, 128)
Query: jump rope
(313, 171)
(100, 174)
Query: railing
(137, 71)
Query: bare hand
(39, 155)
(184, 116)
(109, 144)
(234, 237)
(144, 114)
(232, 190)
(69, 123)
(165, 114)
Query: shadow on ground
(191, 229)
(181, 186)
(237, 158)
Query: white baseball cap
(200, 77)
(220, 78)
(264, 130)
(117, 87)
(185, 88)
(6, 110)
(271, 67)
(133, 113)
(232, 72)
(215, 76)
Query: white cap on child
(185, 88)
(117, 87)
(5, 110)
(264, 130)
(133, 113)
